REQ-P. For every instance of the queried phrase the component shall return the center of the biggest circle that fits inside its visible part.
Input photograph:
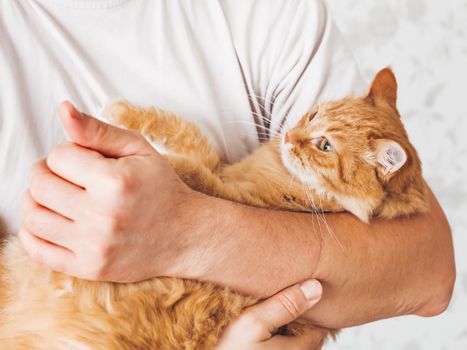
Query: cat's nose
(286, 138)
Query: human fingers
(78, 165)
(54, 192)
(284, 307)
(57, 258)
(46, 224)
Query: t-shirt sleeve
(292, 56)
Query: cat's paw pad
(115, 111)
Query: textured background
(425, 41)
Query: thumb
(286, 306)
(106, 139)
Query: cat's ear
(389, 155)
(384, 88)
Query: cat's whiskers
(320, 215)
(269, 118)
(267, 121)
(330, 230)
(315, 215)
(292, 178)
(314, 209)
(262, 121)
(266, 116)
(265, 129)
(262, 128)
(262, 118)
(249, 122)
(260, 101)
(289, 190)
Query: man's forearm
(252, 250)
(387, 268)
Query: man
(114, 210)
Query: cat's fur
(370, 169)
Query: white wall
(425, 41)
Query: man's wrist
(201, 221)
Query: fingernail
(312, 289)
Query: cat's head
(356, 151)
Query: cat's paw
(158, 144)
(114, 111)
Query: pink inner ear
(390, 156)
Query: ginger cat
(352, 154)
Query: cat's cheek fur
(363, 209)
(305, 177)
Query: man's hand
(254, 328)
(106, 207)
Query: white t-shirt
(224, 64)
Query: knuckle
(54, 153)
(58, 152)
(92, 273)
(36, 185)
(37, 255)
(99, 272)
(120, 184)
(31, 220)
(35, 168)
(105, 249)
(27, 202)
(290, 304)
(40, 185)
(113, 224)
(95, 266)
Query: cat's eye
(323, 144)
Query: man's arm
(387, 268)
